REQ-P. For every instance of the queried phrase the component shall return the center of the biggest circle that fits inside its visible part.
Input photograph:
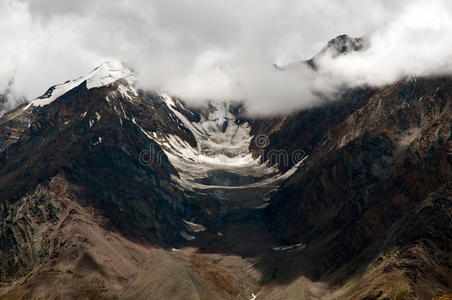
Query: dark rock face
(377, 165)
(33, 218)
(97, 145)
(344, 44)
(306, 130)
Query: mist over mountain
(222, 50)
(225, 150)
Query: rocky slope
(363, 199)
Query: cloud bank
(225, 50)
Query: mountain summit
(105, 74)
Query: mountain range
(108, 191)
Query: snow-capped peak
(106, 73)
(109, 72)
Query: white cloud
(416, 43)
(203, 49)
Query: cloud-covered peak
(226, 50)
(344, 44)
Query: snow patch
(262, 206)
(144, 131)
(99, 141)
(187, 236)
(193, 227)
(298, 246)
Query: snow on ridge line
(106, 73)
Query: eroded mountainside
(374, 195)
(109, 192)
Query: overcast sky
(222, 49)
